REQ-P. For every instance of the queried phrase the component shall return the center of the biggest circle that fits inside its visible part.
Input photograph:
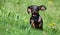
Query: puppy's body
(36, 20)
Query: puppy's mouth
(34, 14)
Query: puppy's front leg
(40, 21)
(32, 23)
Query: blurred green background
(14, 19)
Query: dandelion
(52, 25)
(50, 2)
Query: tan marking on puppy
(39, 25)
(32, 24)
(39, 19)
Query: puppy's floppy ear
(42, 8)
(29, 9)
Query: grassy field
(14, 19)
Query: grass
(14, 19)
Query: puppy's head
(35, 9)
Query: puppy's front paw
(39, 25)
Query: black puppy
(36, 20)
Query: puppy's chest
(35, 19)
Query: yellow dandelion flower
(50, 3)
(52, 24)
